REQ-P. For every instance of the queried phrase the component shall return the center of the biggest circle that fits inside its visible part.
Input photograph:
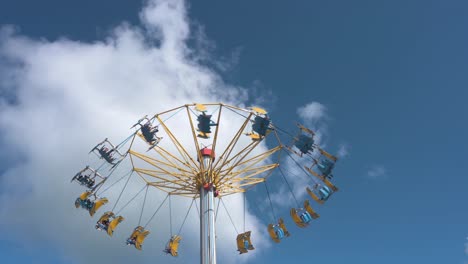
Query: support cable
(130, 200)
(228, 215)
(259, 212)
(181, 108)
(143, 207)
(244, 210)
(198, 211)
(284, 131)
(302, 168)
(271, 203)
(116, 182)
(244, 116)
(289, 186)
(156, 211)
(120, 145)
(108, 176)
(123, 189)
(216, 213)
(170, 214)
(183, 222)
(103, 163)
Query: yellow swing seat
(311, 211)
(138, 235)
(314, 196)
(244, 243)
(173, 246)
(278, 231)
(97, 204)
(113, 224)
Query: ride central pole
(207, 213)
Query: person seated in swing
(137, 237)
(80, 178)
(172, 246)
(168, 249)
(104, 150)
(261, 125)
(90, 183)
(85, 204)
(103, 225)
(106, 154)
(204, 125)
(133, 237)
(149, 133)
(84, 180)
(304, 144)
(131, 241)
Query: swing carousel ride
(206, 152)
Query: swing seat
(330, 185)
(273, 234)
(113, 224)
(301, 219)
(325, 167)
(305, 217)
(323, 178)
(85, 195)
(314, 196)
(203, 135)
(254, 137)
(173, 246)
(104, 217)
(278, 231)
(328, 155)
(297, 219)
(97, 204)
(283, 226)
(244, 243)
(259, 110)
(81, 200)
(314, 173)
(309, 209)
(325, 193)
(138, 237)
(200, 108)
(77, 203)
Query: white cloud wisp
(377, 172)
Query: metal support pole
(207, 214)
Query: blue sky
(392, 76)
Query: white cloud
(343, 150)
(377, 172)
(312, 112)
(59, 98)
(466, 247)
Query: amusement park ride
(208, 152)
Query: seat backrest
(279, 232)
(305, 217)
